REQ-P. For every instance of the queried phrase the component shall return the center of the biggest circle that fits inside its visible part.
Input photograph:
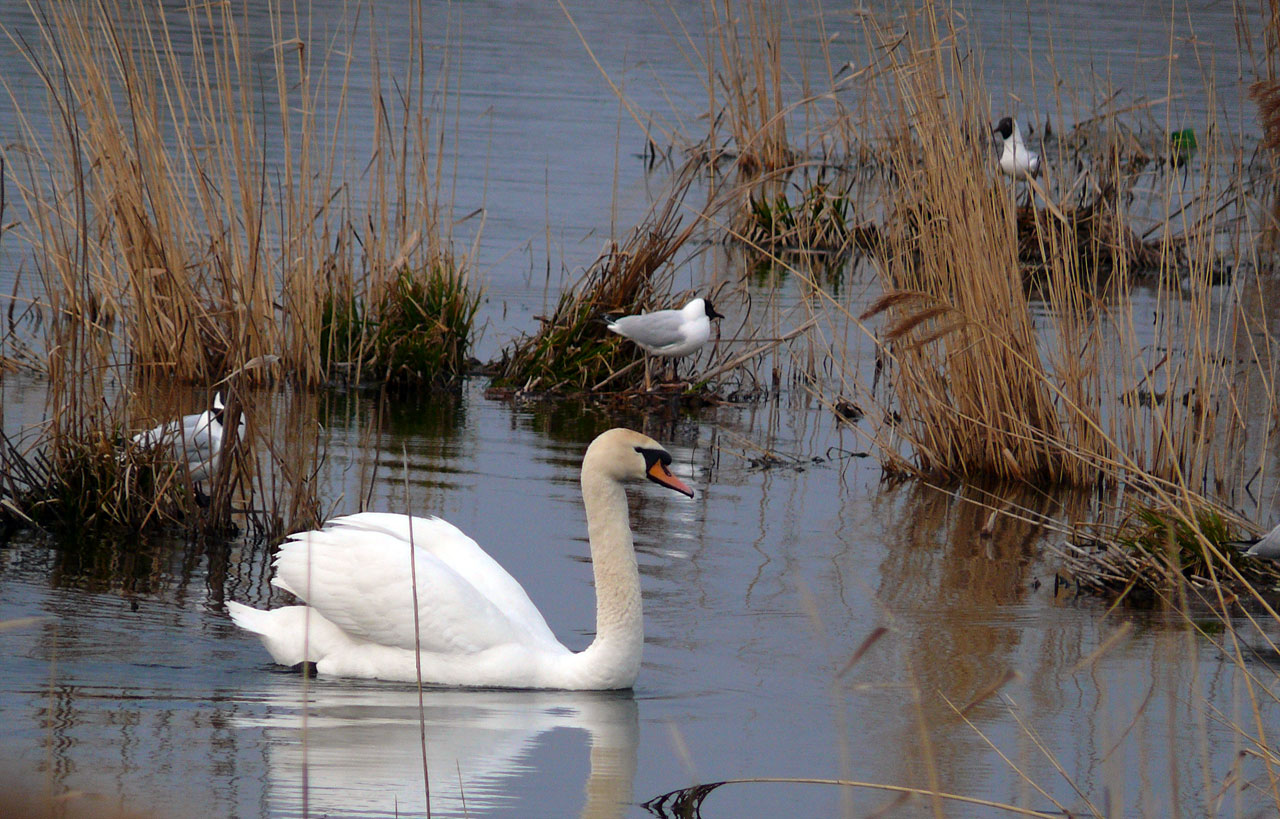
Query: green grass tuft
(1157, 534)
(417, 331)
(820, 220)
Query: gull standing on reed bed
(670, 333)
(196, 440)
(405, 598)
(1267, 546)
(1017, 160)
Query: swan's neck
(615, 652)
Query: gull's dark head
(1004, 128)
(711, 311)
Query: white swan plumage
(476, 625)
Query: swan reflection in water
(359, 748)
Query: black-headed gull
(669, 333)
(1016, 160)
(1267, 546)
(196, 439)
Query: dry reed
(744, 87)
(191, 217)
(966, 381)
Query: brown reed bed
(967, 384)
(1150, 552)
(745, 90)
(191, 220)
(1101, 241)
(193, 256)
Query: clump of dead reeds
(1101, 242)
(1266, 94)
(94, 485)
(572, 351)
(185, 238)
(1151, 551)
(970, 389)
(745, 88)
(190, 214)
(973, 383)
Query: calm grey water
(134, 689)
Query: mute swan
(1017, 160)
(476, 625)
(669, 333)
(196, 439)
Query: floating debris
(847, 410)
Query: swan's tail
(281, 630)
(293, 634)
(248, 618)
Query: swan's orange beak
(658, 473)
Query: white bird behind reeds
(1267, 546)
(1016, 159)
(196, 440)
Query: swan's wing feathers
(365, 586)
(460, 553)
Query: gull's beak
(658, 473)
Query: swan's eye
(653, 456)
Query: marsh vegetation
(245, 216)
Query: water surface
(134, 688)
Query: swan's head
(625, 455)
